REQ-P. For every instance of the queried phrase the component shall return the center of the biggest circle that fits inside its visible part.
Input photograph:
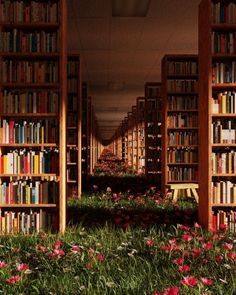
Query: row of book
(224, 103)
(72, 155)
(71, 120)
(152, 104)
(14, 71)
(223, 192)
(29, 162)
(183, 138)
(224, 42)
(29, 192)
(72, 85)
(182, 85)
(153, 91)
(223, 131)
(224, 72)
(72, 174)
(154, 116)
(72, 68)
(226, 218)
(29, 11)
(23, 41)
(182, 103)
(72, 136)
(72, 103)
(223, 162)
(15, 102)
(182, 173)
(224, 12)
(182, 68)
(182, 156)
(182, 120)
(24, 132)
(153, 167)
(27, 223)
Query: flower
(13, 280)
(171, 291)
(179, 261)
(228, 246)
(189, 281)
(22, 267)
(2, 264)
(196, 225)
(184, 268)
(150, 243)
(40, 248)
(223, 226)
(109, 190)
(75, 248)
(100, 257)
(59, 252)
(231, 255)
(187, 238)
(184, 227)
(57, 244)
(219, 258)
(206, 281)
(207, 246)
(196, 252)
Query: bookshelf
(140, 103)
(130, 138)
(153, 132)
(33, 92)
(180, 119)
(135, 138)
(125, 140)
(217, 182)
(73, 128)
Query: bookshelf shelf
(33, 89)
(182, 164)
(182, 111)
(223, 205)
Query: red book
(11, 131)
(26, 166)
(7, 195)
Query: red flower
(118, 220)
(166, 248)
(196, 225)
(184, 268)
(214, 237)
(22, 267)
(179, 261)
(40, 248)
(171, 291)
(196, 252)
(223, 226)
(219, 258)
(189, 281)
(206, 281)
(59, 252)
(228, 246)
(231, 255)
(187, 238)
(150, 243)
(75, 248)
(13, 280)
(57, 244)
(89, 266)
(201, 239)
(184, 227)
(100, 257)
(207, 246)
(3, 264)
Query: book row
(182, 173)
(182, 68)
(28, 192)
(29, 11)
(182, 156)
(182, 103)
(72, 85)
(224, 162)
(224, 42)
(223, 72)
(24, 132)
(72, 103)
(225, 218)
(27, 223)
(182, 120)
(153, 92)
(223, 192)
(29, 162)
(14, 71)
(182, 86)
(224, 103)
(72, 155)
(183, 138)
(72, 174)
(223, 131)
(223, 12)
(36, 41)
(72, 68)
(15, 102)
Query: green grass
(129, 264)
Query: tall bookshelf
(130, 138)
(73, 128)
(125, 140)
(140, 103)
(153, 132)
(134, 138)
(217, 117)
(180, 119)
(33, 91)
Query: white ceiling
(120, 54)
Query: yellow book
(223, 104)
(36, 164)
(5, 160)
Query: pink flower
(196, 252)
(189, 281)
(179, 261)
(150, 243)
(231, 255)
(22, 267)
(213, 230)
(109, 190)
(57, 244)
(228, 246)
(214, 237)
(207, 246)
(206, 281)
(166, 248)
(187, 238)
(171, 291)
(184, 227)
(3, 264)
(223, 226)
(59, 252)
(201, 239)
(89, 266)
(184, 268)
(75, 248)
(40, 248)
(100, 257)
(219, 258)
(196, 225)
(13, 280)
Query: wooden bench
(189, 187)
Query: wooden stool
(189, 187)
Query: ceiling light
(130, 8)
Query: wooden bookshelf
(74, 109)
(134, 138)
(140, 103)
(125, 140)
(179, 129)
(217, 177)
(153, 132)
(33, 105)
(130, 138)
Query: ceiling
(120, 54)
